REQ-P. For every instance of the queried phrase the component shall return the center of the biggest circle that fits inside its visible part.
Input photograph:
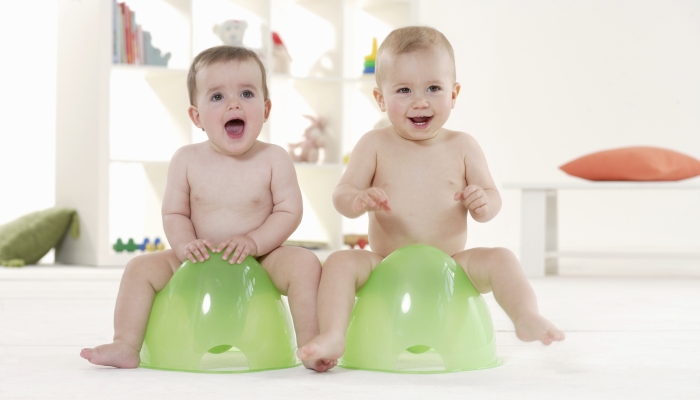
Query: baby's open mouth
(420, 121)
(235, 127)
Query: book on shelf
(131, 43)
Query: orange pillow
(634, 164)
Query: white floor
(633, 333)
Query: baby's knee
(500, 257)
(503, 254)
(339, 259)
(306, 262)
(136, 266)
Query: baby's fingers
(478, 205)
(209, 245)
(222, 246)
(230, 248)
(198, 253)
(243, 253)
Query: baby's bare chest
(423, 177)
(230, 187)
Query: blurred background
(542, 84)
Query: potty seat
(217, 317)
(418, 300)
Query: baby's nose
(420, 102)
(234, 104)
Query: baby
(231, 193)
(418, 181)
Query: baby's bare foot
(116, 354)
(536, 327)
(322, 352)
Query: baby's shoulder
(187, 153)
(270, 153)
(460, 140)
(375, 138)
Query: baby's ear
(193, 112)
(380, 98)
(455, 93)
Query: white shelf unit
(118, 125)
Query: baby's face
(418, 92)
(230, 105)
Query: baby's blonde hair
(222, 54)
(408, 40)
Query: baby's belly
(223, 223)
(440, 223)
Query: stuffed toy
(231, 32)
(281, 59)
(310, 147)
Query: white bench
(539, 251)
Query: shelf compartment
(135, 197)
(148, 113)
(321, 222)
(168, 21)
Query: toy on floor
(311, 147)
(281, 60)
(356, 240)
(418, 300)
(371, 58)
(216, 317)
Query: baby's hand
(241, 246)
(372, 199)
(475, 199)
(198, 249)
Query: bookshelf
(123, 122)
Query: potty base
(210, 309)
(418, 300)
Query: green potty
(418, 300)
(217, 317)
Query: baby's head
(222, 54)
(228, 97)
(411, 39)
(416, 81)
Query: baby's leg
(498, 269)
(296, 272)
(344, 272)
(143, 277)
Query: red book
(127, 34)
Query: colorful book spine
(129, 44)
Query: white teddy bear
(231, 32)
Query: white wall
(27, 107)
(544, 82)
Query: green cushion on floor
(27, 239)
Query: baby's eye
(217, 97)
(434, 88)
(247, 94)
(404, 90)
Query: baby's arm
(480, 196)
(353, 196)
(287, 205)
(176, 212)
